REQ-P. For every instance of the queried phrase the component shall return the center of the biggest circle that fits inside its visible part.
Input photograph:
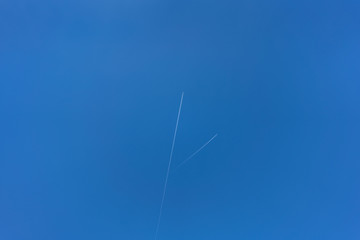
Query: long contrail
(168, 170)
(196, 152)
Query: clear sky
(89, 93)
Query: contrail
(196, 152)
(168, 170)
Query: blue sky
(89, 92)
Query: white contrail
(196, 152)
(168, 170)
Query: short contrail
(168, 170)
(196, 152)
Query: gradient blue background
(89, 92)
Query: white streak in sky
(196, 152)
(168, 169)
